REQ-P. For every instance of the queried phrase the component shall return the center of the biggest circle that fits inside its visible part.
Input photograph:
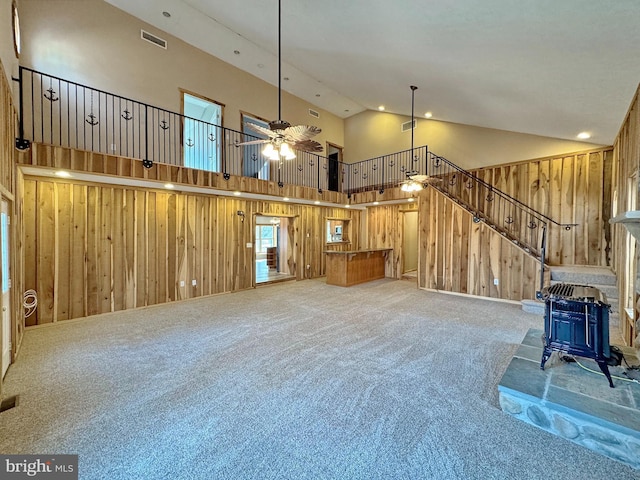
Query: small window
(337, 230)
(16, 28)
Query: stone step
(583, 274)
(533, 306)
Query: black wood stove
(576, 322)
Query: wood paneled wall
(385, 229)
(8, 193)
(627, 162)
(573, 188)
(91, 248)
(102, 164)
(458, 255)
(454, 254)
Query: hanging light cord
(279, 60)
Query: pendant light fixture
(411, 184)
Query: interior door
(334, 155)
(6, 288)
(410, 242)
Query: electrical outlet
(182, 283)
(496, 281)
(249, 245)
(193, 282)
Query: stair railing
(65, 113)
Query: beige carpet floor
(298, 380)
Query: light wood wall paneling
(574, 188)
(626, 163)
(84, 161)
(10, 188)
(91, 248)
(30, 242)
(459, 255)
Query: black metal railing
(386, 171)
(61, 112)
(523, 225)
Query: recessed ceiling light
(237, 193)
(410, 199)
(261, 65)
(376, 203)
(381, 108)
(237, 52)
(317, 202)
(286, 199)
(166, 14)
(346, 109)
(317, 94)
(286, 79)
(169, 186)
(63, 174)
(428, 115)
(347, 206)
(584, 135)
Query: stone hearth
(576, 404)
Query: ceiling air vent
(153, 39)
(408, 125)
(313, 113)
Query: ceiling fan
(282, 137)
(415, 181)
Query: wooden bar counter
(352, 267)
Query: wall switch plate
(182, 283)
(249, 245)
(496, 281)
(193, 282)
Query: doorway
(6, 286)
(410, 243)
(273, 249)
(334, 156)
(201, 132)
(254, 163)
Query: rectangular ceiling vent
(153, 39)
(408, 125)
(313, 113)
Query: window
(265, 237)
(337, 230)
(254, 164)
(202, 132)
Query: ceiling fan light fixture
(285, 150)
(411, 186)
(275, 156)
(268, 150)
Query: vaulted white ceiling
(544, 67)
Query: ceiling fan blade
(300, 133)
(308, 146)
(261, 130)
(424, 178)
(252, 142)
